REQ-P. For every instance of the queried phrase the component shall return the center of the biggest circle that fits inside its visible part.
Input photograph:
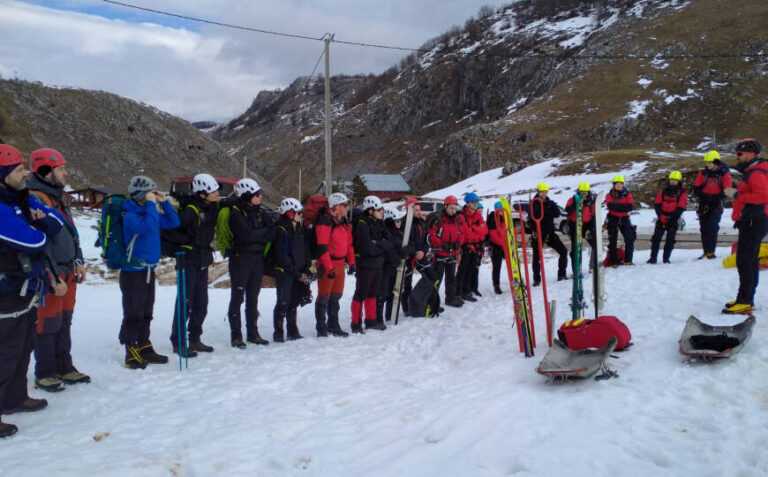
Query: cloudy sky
(199, 71)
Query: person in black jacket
(198, 226)
(252, 230)
(548, 233)
(418, 250)
(393, 223)
(371, 247)
(292, 263)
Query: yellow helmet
(676, 176)
(712, 156)
(584, 186)
(542, 187)
(619, 179)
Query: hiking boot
(536, 282)
(703, 256)
(338, 332)
(189, 353)
(738, 309)
(238, 343)
(666, 260)
(294, 336)
(257, 340)
(711, 256)
(51, 384)
(28, 405)
(322, 333)
(200, 347)
(7, 430)
(628, 264)
(151, 356)
(358, 328)
(375, 325)
(497, 290)
(454, 302)
(133, 358)
(76, 377)
(469, 297)
(651, 261)
(278, 338)
(730, 303)
(477, 293)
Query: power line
(314, 70)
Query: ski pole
(185, 309)
(537, 220)
(179, 298)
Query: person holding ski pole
(750, 215)
(542, 206)
(393, 223)
(620, 203)
(145, 214)
(419, 249)
(670, 202)
(497, 232)
(587, 219)
(709, 187)
(26, 225)
(474, 233)
(252, 229)
(292, 264)
(371, 248)
(446, 236)
(198, 225)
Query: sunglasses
(740, 154)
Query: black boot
(133, 358)
(188, 353)
(293, 326)
(237, 342)
(454, 302)
(28, 405)
(150, 355)
(7, 430)
(256, 339)
(321, 310)
(469, 297)
(333, 318)
(651, 260)
(199, 347)
(358, 328)
(375, 325)
(278, 336)
(477, 293)
(380, 317)
(536, 282)
(497, 290)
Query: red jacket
(710, 184)
(619, 203)
(334, 241)
(671, 203)
(587, 211)
(446, 235)
(475, 229)
(752, 198)
(498, 231)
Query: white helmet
(246, 186)
(204, 183)
(290, 203)
(394, 214)
(337, 198)
(372, 202)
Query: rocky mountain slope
(526, 82)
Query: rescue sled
(702, 341)
(561, 363)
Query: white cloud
(207, 72)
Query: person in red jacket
(474, 233)
(750, 214)
(587, 219)
(497, 232)
(709, 188)
(670, 205)
(333, 234)
(620, 203)
(446, 236)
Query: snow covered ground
(441, 397)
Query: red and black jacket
(446, 235)
(587, 209)
(497, 230)
(670, 203)
(752, 198)
(620, 203)
(475, 229)
(334, 241)
(710, 185)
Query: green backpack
(224, 237)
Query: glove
(351, 270)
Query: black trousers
(386, 296)
(446, 268)
(554, 242)
(368, 283)
(16, 342)
(197, 303)
(751, 233)
(497, 259)
(623, 225)
(289, 290)
(669, 244)
(709, 221)
(407, 286)
(465, 275)
(138, 289)
(53, 350)
(245, 272)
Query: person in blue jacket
(25, 276)
(145, 215)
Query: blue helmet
(471, 198)
(498, 205)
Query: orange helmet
(450, 200)
(46, 157)
(10, 156)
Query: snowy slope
(449, 396)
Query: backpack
(315, 206)
(115, 252)
(173, 241)
(224, 238)
(583, 334)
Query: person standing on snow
(474, 234)
(709, 188)
(497, 232)
(670, 205)
(446, 236)
(750, 215)
(53, 343)
(620, 203)
(292, 264)
(26, 225)
(252, 229)
(198, 226)
(371, 248)
(393, 223)
(587, 219)
(142, 222)
(333, 235)
(549, 236)
(419, 249)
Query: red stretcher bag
(582, 334)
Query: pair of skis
(597, 256)
(549, 307)
(398, 289)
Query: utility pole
(245, 167)
(328, 129)
(481, 160)
(299, 183)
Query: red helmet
(10, 156)
(451, 200)
(46, 157)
